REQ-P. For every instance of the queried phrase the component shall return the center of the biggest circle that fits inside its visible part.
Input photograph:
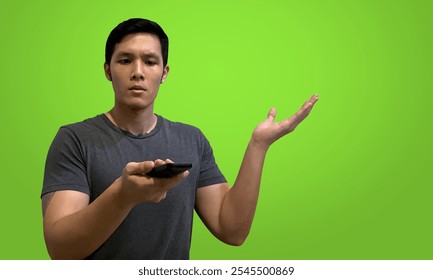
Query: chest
(106, 160)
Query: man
(98, 201)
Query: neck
(136, 122)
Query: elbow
(58, 249)
(237, 242)
(235, 239)
(56, 255)
(61, 254)
(54, 247)
(56, 252)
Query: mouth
(137, 88)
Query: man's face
(136, 71)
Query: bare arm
(229, 212)
(73, 228)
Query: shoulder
(77, 135)
(83, 128)
(181, 128)
(187, 134)
(87, 124)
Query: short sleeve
(210, 173)
(65, 166)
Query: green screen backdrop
(352, 182)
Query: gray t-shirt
(89, 156)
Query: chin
(139, 106)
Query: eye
(124, 61)
(151, 62)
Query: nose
(137, 72)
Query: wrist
(257, 145)
(120, 196)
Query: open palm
(269, 131)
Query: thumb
(271, 115)
(146, 166)
(133, 168)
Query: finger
(308, 106)
(146, 166)
(138, 167)
(169, 161)
(271, 115)
(314, 98)
(291, 123)
(159, 162)
(169, 183)
(162, 197)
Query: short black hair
(136, 25)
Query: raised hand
(269, 131)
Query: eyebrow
(147, 54)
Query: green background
(352, 182)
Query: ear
(165, 73)
(107, 71)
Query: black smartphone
(169, 170)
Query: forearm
(77, 235)
(239, 205)
(229, 213)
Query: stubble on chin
(138, 107)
